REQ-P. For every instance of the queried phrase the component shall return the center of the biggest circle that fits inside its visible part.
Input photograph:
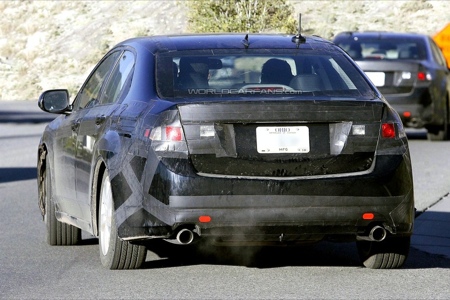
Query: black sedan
(263, 139)
(410, 71)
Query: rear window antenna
(245, 41)
(299, 39)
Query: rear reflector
(204, 219)
(407, 114)
(388, 130)
(368, 216)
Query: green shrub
(254, 16)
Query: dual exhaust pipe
(376, 234)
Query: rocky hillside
(55, 44)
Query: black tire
(441, 135)
(115, 254)
(388, 254)
(58, 233)
(444, 133)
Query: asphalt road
(30, 269)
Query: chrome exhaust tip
(377, 233)
(185, 236)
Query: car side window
(118, 78)
(437, 54)
(89, 94)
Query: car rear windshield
(385, 48)
(259, 73)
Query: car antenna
(299, 39)
(245, 41)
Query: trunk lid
(281, 138)
(392, 77)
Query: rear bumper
(303, 209)
(415, 108)
(411, 115)
(295, 217)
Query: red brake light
(174, 133)
(422, 76)
(388, 130)
(165, 134)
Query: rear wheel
(444, 133)
(115, 253)
(58, 233)
(391, 253)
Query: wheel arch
(107, 146)
(42, 157)
(41, 173)
(99, 170)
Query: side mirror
(55, 102)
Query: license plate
(378, 78)
(283, 139)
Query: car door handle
(100, 119)
(75, 125)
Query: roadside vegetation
(254, 16)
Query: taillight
(392, 138)
(167, 136)
(388, 130)
(424, 76)
(174, 133)
(165, 133)
(421, 76)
